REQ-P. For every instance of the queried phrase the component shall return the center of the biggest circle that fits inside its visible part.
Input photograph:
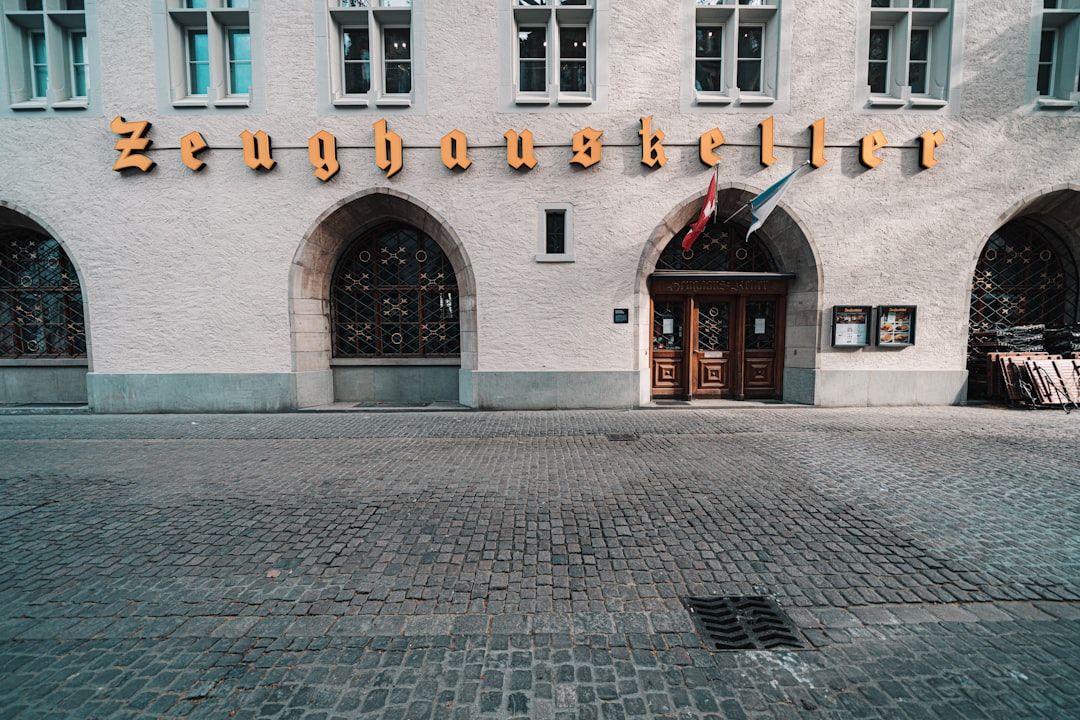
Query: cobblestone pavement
(505, 565)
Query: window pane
(398, 68)
(879, 3)
(78, 64)
(240, 79)
(1046, 49)
(920, 44)
(709, 42)
(573, 65)
(748, 72)
(196, 3)
(555, 232)
(707, 76)
(357, 55)
(532, 52)
(355, 42)
(198, 63)
(39, 64)
(878, 68)
(920, 3)
(750, 42)
(75, 5)
(239, 45)
(396, 43)
(237, 3)
(917, 78)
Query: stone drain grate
(743, 623)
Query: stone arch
(47, 379)
(312, 270)
(1049, 219)
(786, 237)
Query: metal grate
(395, 294)
(41, 308)
(744, 623)
(1025, 276)
(723, 246)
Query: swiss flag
(707, 211)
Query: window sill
(74, 104)
(756, 100)
(532, 100)
(575, 100)
(191, 102)
(1046, 103)
(347, 101)
(928, 103)
(30, 105)
(238, 101)
(564, 258)
(885, 101)
(702, 99)
(392, 101)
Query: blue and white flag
(763, 204)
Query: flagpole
(747, 204)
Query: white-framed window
(909, 57)
(45, 55)
(211, 60)
(371, 49)
(555, 225)
(555, 51)
(739, 48)
(1054, 71)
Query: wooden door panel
(667, 376)
(713, 376)
(760, 376)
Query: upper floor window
(44, 51)
(739, 47)
(1056, 71)
(555, 52)
(371, 49)
(210, 60)
(909, 56)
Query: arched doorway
(1027, 276)
(717, 312)
(743, 314)
(383, 305)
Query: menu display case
(851, 325)
(896, 325)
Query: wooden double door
(717, 346)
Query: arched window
(394, 294)
(1025, 276)
(722, 247)
(41, 306)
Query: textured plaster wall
(189, 272)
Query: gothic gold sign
(586, 144)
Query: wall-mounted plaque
(896, 325)
(851, 325)
(622, 316)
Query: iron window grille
(720, 248)
(394, 294)
(1025, 276)
(41, 304)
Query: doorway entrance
(718, 337)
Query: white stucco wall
(189, 272)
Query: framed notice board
(851, 325)
(895, 325)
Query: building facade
(253, 205)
